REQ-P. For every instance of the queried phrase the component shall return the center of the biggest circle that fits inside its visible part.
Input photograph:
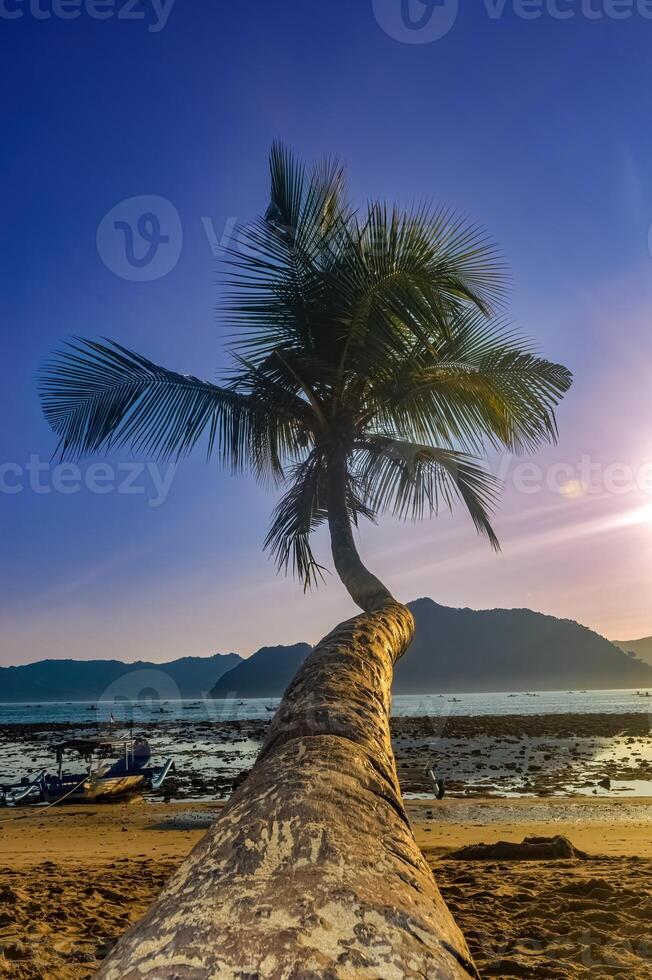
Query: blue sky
(538, 129)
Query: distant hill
(265, 674)
(453, 650)
(642, 648)
(509, 650)
(89, 680)
(464, 650)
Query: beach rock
(9, 896)
(16, 951)
(530, 849)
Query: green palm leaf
(98, 396)
(300, 511)
(367, 366)
(415, 480)
(484, 384)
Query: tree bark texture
(312, 871)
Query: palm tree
(370, 374)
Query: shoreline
(617, 827)
(74, 878)
(504, 756)
(539, 722)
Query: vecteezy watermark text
(148, 480)
(425, 21)
(140, 239)
(153, 12)
(584, 477)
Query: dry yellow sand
(73, 879)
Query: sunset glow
(167, 567)
(642, 515)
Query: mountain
(95, 680)
(453, 650)
(265, 674)
(509, 650)
(467, 650)
(642, 648)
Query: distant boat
(267, 708)
(103, 780)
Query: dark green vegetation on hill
(265, 674)
(640, 648)
(505, 649)
(89, 680)
(466, 650)
(453, 650)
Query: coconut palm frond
(98, 396)
(299, 513)
(407, 273)
(485, 385)
(413, 480)
(278, 285)
(363, 339)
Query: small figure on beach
(438, 785)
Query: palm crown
(369, 372)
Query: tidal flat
(605, 755)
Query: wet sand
(479, 756)
(72, 880)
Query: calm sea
(433, 705)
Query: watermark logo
(140, 239)
(425, 21)
(140, 695)
(154, 13)
(149, 480)
(416, 21)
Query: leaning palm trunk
(364, 354)
(312, 871)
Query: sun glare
(573, 490)
(642, 515)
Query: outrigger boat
(103, 779)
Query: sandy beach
(72, 880)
